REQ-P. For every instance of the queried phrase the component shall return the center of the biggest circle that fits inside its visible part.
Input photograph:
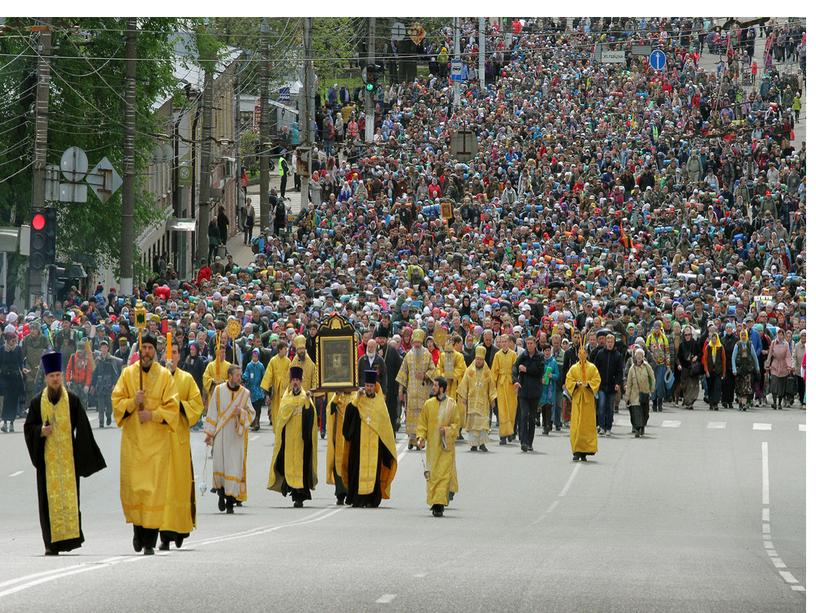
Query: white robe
(230, 432)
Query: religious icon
(336, 355)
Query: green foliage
(86, 109)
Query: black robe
(393, 363)
(351, 432)
(302, 493)
(87, 460)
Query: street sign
(284, 94)
(104, 180)
(398, 31)
(457, 70)
(643, 50)
(613, 57)
(463, 144)
(657, 59)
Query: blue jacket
(253, 375)
(548, 382)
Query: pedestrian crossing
(623, 421)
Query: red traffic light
(38, 222)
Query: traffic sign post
(457, 71)
(657, 59)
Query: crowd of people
(654, 219)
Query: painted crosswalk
(762, 426)
(671, 423)
(716, 425)
(623, 421)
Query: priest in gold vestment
(436, 433)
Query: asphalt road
(671, 522)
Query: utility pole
(307, 110)
(482, 52)
(369, 124)
(36, 281)
(456, 55)
(203, 213)
(264, 128)
(129, 162)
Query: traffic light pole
(369, 123)
(36, 277)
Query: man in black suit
(527, 373)
(393, 361)
(371, 360)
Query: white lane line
(760, 426)
(766, 488)
(569, 481)
(778, 563)
(385, 598)
(420, 575)
(552, 506)
(766, 514)
(30, 584)
(768, 545)
(787, 576)
(716, 425)
(19, 472)
(801, 427)
(670, 423)
(772, 553)
(766, 528)
(798, 588)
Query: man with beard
(477, 393)
(370, 454)
(276, 380)
(145, 406)
(371, 360)
(393, 362)
(414, 379)
(226, 428)
(294, 462)
(437, 427)
(62, 448)
(180, 515)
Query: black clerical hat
(51, 362)
(370, 377)
(296, 372)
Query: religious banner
(336, 355)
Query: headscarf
(714, 344)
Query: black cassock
(352, 426)
(87, 460)
(305, 492)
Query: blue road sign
(657, 59)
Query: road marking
(570, 480)
(766, 528)
(385, 598)
(778, 563)
(766, 514)
(716, 425)
(18, 473)
(670, 423)
(798, 588)
(768, 545)
(53, 575)
(801, 427)
(788, 577)
(766, 488)
(759, 426)
(772, 553)
(420, 575)
(255, 437)
(552, 506)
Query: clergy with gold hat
(582, 383)
(62, 448)
(216, 371)
(415, 377)
(302, 360)
(145, 406)
(452, 367)
(477, 393)
(294, 461)
(276, 380)
(370, 453)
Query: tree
(86, 109)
